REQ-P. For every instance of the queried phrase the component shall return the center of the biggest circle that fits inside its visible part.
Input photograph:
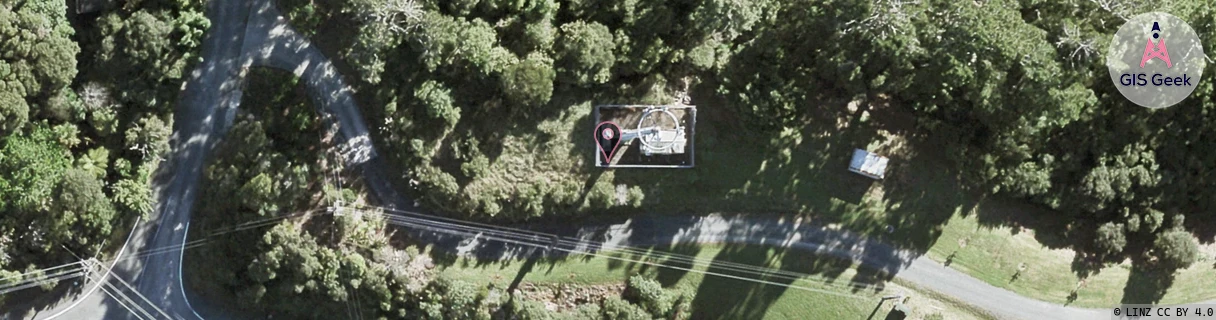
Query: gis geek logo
(1160, 79)
(1159, 52)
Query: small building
(869, 164)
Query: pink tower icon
(1158, 51)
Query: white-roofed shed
(868, 164)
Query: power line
(125, 301)
(537, 239)
(218, 232)
(692, 261)
(42, 276)
(55, 277)
(19, 276)
(78, 268)
(516, 238)
(409, 221)
(117, 295)
(142, 297)
(107, 274)
(706, 272)
(506, 235)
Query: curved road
(253, 33)
(212, 92)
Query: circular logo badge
(608, 134)
(1155, 59)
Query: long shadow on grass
(1146, 283)
(803, 172)
(722, 297)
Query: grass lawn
(794, 171)
(823, 292)
(801, 170)
(993, 253)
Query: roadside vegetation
(1034, 263)
(827, 288)
(86, 107)
(482, 104)
(278, 251)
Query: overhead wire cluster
(726, 269)
(141, 307)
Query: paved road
(271, 42)
(790, 233)
(242, 34)
(204, 112)
(245, 33)
(208, 100)
(497, 242)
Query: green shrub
(615, 308)
(649, 294)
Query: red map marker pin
(607, 139)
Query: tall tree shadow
(1147, 283)
(725, 297)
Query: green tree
(1026, 180)
(459, 8)
(189, 25)
(13, 111)
(293, 264)
(1176, 249)
(39, 57)
(539, 37)
(133, 195)
(727, 19)
(529, 84)
(150, 136)
(80, 213)
(454, 299)
(65, 105)
(368, 53)
(146, 47)
(381, 25)
(258, 195)
(1110, 238)
(1152, 220)
(135, 51)
(457, 43)
(521, 309)
(615, 308)
(437, 101)
(95, 161)
(649, 294)
(584, 53)
(29, 170)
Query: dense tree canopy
(474, 100)
(76, 162)
(1017, 88)
(143, 52)
(29, 176)
(1111, 238)
(37, 58)
(585, 53)
(529, 83)
(1176, 248)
